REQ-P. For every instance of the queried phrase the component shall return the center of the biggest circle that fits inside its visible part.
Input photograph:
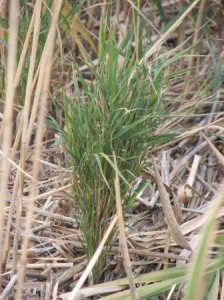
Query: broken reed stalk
(9, 287)
(8, 111)
(123, 239)
(44, 77)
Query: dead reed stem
(35, 21)
(43, 89)
(8, 110)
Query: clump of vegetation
(117, 110)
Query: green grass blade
(197, 272)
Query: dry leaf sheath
(168, 212)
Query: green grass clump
(117, 110)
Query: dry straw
(42, 87)
(8, 111)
